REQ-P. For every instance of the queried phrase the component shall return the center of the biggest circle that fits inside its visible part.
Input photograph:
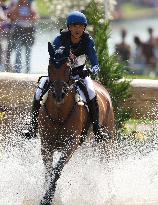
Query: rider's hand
(95, 69)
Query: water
(90, 178)
(19, 167)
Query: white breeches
(38, 92)
(90, 87)
(88, 82)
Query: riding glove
(95, 69)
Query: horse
(63, 121)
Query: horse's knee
(47, 156)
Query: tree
(60, 9)
(112, 72)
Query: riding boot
(31, 132)
(94, 114)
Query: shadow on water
(128, 177)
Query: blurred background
(25, 32)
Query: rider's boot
(31, 132)
(94, 114)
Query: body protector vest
(79, 50)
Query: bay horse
(63, 121)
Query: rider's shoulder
(64, 32)
(57, 39)
(57, 42)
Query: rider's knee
(38, 95)
(42, 88)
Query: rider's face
(76, 30)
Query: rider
(81, 45)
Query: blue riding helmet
(76, 17)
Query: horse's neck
(61, 111)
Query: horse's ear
(51, 50)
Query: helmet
(76, 17)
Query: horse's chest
(58, 126)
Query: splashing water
(88, 179)
(21, 174)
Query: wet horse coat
(63, 122)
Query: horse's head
(59, 72)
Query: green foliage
(42, 8)
(112, 72)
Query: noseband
(66, 87)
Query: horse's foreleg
(47, 156)
(54, 176)
(56, 171)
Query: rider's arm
(92, 56)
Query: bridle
(66, 85)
